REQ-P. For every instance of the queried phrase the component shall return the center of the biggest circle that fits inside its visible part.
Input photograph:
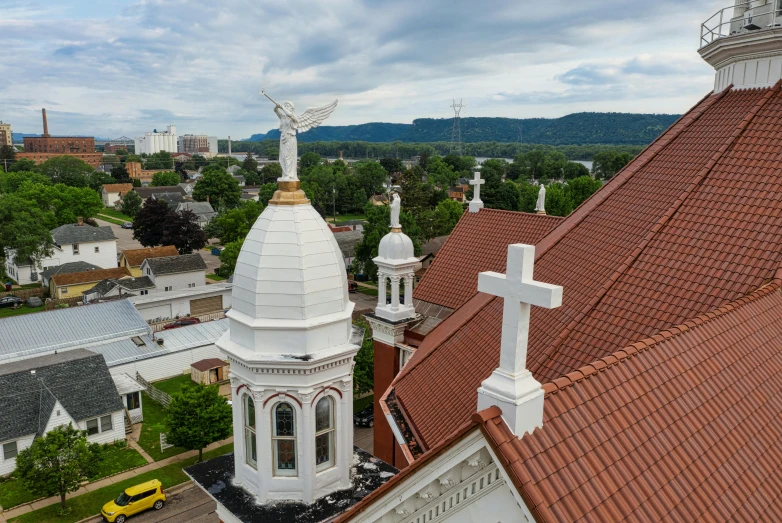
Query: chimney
(80, 221)
(45, 124)
(207, 198)
(340, 155)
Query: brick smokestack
(80, 221)
(45, 124)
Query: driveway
(186, 503)
(363, 302)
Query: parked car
(365, 417)
(126, 225)
(10, 301)
(352, 286)
(184, 322)
(134, 500)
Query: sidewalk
(367, 285)
(41, 503)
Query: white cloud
(200, 65)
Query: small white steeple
(476, 204)
(511, 386)
(396, 263)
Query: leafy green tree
(378, 219)
(120, 174)
(581, 188)
(575, 170)
(392, 165)
(535, 160)
(165, 179)
(131, 204)
(439, 173)
(24, 228)
(460, 164)
(270, 172)
(273, 153)
(528, 197)
(234, 224)
(133, 158)
(197, 417)
(22, 164)
(7, 156)
(609, 162)
(554, 165)
(218, 187)
(250, 164)
(441, 220)
(68, 170)
(66, 203)
(199, 161)
(12, 180)
(97, 179)
(159, 160)
(364, 370)
(370, 176)
(181, 229)
(417, 196)
(57, 462)
(266, 193)
(148, 223)
(557, 201)
(308, 161)
(250, 177)
(228, 258)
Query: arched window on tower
(250, 441)
(324, 434)
(284, 440)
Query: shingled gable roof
(135, 257)
(479, 242)
(78, 379)
(74, 278)
(683, 426)
(692, 223)
(176, 264)
(74, 233)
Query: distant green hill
(574, 129)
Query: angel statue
(396, 207)
(289, 124)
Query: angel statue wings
(290, 122)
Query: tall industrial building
(41, 148)
(5, 133)
(197, 143)
(156, 142)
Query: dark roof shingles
(72, 233)
(176, 264)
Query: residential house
(73, 284)
(113, 288)
(72, 242)
(379, 199)
(116, 330)
(239, 179)
(133, 258)
(129, 391)
(233, 169)
(175, 272)
(156, 192)
(188, 187)
(172, 199)
(66, 268)
(112, 193)
(45, 392)
(193, 301)
(203, 211)
(347, 241)
(250, 194)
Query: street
(185, 503)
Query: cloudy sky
(111, 67)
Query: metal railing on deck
(158, 324)
(741, 18)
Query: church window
(250, 441)
(324, 434)
(284, 440)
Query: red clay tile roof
(135, 257)
(691, 224)
(209, 363)
(684, 426)
(74, 278)
(479, 242)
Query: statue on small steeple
(540, 206)
(396, 208)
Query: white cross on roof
(476, 204)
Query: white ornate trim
(386, 333)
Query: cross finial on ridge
(476, 204)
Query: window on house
(169, 288)
(9, 450)
(324, 434)
(97, 249)
(134, 400)
(105, 423)
(148, 271)
(144, 292)
(250, 441)
(92, 426)
(284, 440)
(191, 285)
(75, 248)
(64, 290)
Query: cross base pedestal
(476, 206)
(519, 397)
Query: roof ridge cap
(587, 371)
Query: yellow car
(134, 500)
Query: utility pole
(334, 204)
(456, 133)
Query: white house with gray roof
(173, 273)
(45, 392)
(203, 211)
(73, 242)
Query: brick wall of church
(386, 369)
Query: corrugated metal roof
(175, 340)
(30, 334)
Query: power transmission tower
(456, 134)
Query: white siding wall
(169, 365)
(21, 275)
(8, 465)
(177, 306)
(109, 199)
(59, 417)
(106, 258)
(180, 281)
(117, 431)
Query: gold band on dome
(396, 229)
(289, 193)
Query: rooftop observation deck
(741, 18)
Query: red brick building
(41, 148)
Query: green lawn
(154, 417)
(215, 277)
(173, 385)
(109, 211)
(115, 460)
(367, 291)
(110, 220)
(89, 504)
(363, 402)
(4, 313)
